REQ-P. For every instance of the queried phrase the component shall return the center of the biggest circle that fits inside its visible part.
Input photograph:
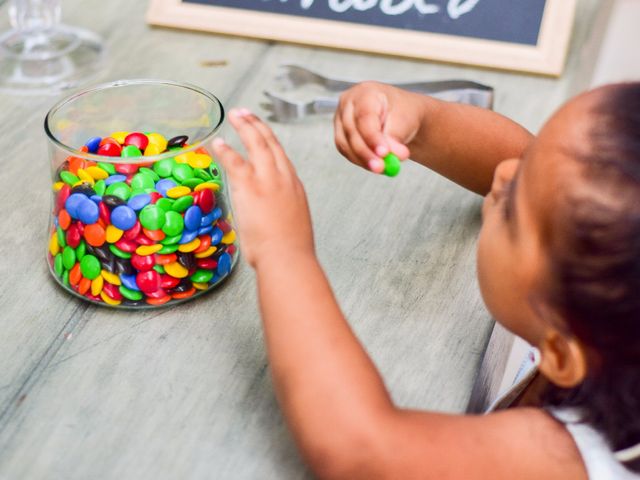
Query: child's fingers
(282, 162)
(369, 116)
(341, 140)
(233, 163)
(363, 153)
(259, 153)
(398, 148)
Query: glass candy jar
(140, 216)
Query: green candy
(192, 182)
(171, 240)
(131, 151)
(166, 204)
(107, 167)
(202, 173)
(173, 223)
(65, 278)
(119, 253)
(81, 250)
(119, 189)
(99, 187)
(164, 167)
(182, 203)
(214, 170)
(68, 257)
(152, 217)
(149, 172)
(130, 294)
(58, 267)
(159, 269)
(68, 178)
(140, 181)
(391, 165)
(202, 276)
(90, 267)
(181, 172)
(168, 249)
(62, 239)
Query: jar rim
(123, 83)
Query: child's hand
(374, 119)
(269, 200)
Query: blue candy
(216, 236)
(73, 202)
(123, 217)
(217, 213)
(93, 144)
(114, 179)
(187, 236)
(208, 219)
(165, 184)
(96, 198)
(88, 212)
(192, 218)
(205, 230)
(129, 281)
(139, 201)
(224, 264)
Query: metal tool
(295, 76)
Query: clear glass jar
(140, 216)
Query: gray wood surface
(184, 392)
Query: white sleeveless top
(599, 461)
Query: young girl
(558, 264)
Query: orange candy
(166, 259)
(75, 275)
(75, 163)
(95, 235)
(158, 301)
(64, 219)
(84, 286)
(205, 242)
(155, 235)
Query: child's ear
(563, 359)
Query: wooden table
(184, 392)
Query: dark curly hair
(595, 270)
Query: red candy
(223, 225)
(63, 194)
(137, 139)
(112, 291)
(206, 201)
(168, 282)
(142, 263)
(126, 245)
(155, 196)
(126, 169)
(141, 239)
(207, 263)
(73, 235)
(110, 150)
(149, 282)
(104, 213)
(133, 232)
(160, 293)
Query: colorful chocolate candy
(140, 234)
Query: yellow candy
(176, 270)
(57, 186)
(207, 253)
(119, 136)
(108, 300)
(200, 286)
(97, 173)
(152, 150)
(113, 234)
(112, 278)
(183, 157)
(199, 160)
(191, 246)
(83, 175)
(179, 191)
(229, 238)
(157, 140)
(79, 182)
(211, 186)
(148, 249)
(54, 246)
(96, 285)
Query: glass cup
(140, 215)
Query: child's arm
(331, 394)
(461, 142)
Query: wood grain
(184, 392)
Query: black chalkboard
(512, 21)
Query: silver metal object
(295, 76)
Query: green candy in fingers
(391, 165)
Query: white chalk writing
(455, 8)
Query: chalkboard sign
(525, 35)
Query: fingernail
(218, 141)
(376, 165)
(234, 112)
(382, 150)
(245, 112)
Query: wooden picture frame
(545, 58)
